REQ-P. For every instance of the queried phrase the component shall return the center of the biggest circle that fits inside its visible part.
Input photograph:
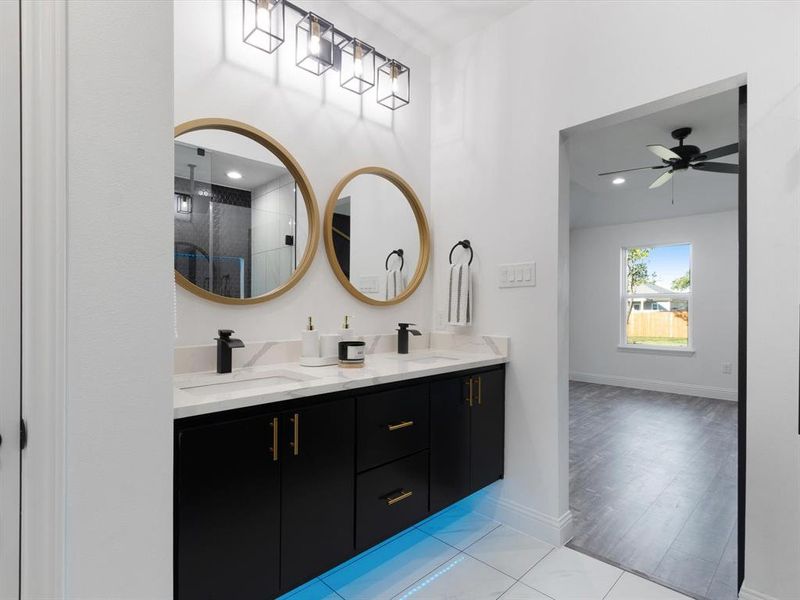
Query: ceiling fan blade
(716, 167)
(718, 152)
(663, 152)
(665, 177)
(636, 169)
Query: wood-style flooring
(653, 485)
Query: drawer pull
(274, 448)
(480, 389)
(295, 443)
(400, 425)
(401, 496)
(469, 399)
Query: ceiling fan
(683, 157)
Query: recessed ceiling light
(616, 181)
(237, 175)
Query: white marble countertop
(209, 392)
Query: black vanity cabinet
(467, 435)
(317, 494)
(228, 511)
(264, 503)
(268, 497)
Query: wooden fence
(659, 324)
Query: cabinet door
(487, 428)
(318, 483)
(228, 511)
(450, 442)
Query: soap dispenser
(346, 331)
(310, 341)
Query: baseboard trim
(656, 385)
(747, 594)
(555, 531)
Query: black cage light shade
(314, 44)
(263, 24)
(394, 84)
(357, 72)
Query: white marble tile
(459, 527)
(391, 568)
(520, 591)
(313, 590)
(568, 575)
(509, 551)
(631, 587)
(462, 578)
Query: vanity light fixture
(394, 84)
(618, 181)
(314, 44)
(234, 175)
(357, 72)
(319, 46)
(263, 24)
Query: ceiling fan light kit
(683, 157)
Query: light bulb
(358, 62)
(395, 83)
(314, 41)
(263, 7)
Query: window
(656, 296)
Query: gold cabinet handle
(480, 389)
(274, 448)
(400, 497)
(469, 399)
(400, 425)
(295, 443)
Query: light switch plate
(369, 284)
(517, 275)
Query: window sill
(644, 348)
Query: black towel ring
(464, 244)
(399, 253)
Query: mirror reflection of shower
(237, 227)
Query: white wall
(595, 306)
(500, 99)
(119, 318)
(329, 130)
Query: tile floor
(653, 485)
(462, 555)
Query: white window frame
(672, 296)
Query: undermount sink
(430, 358)
(271, 379)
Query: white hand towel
(394, 283)
(459, 299)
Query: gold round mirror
(376, 236)
(246, 219)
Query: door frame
(742, 370)
(737, 82)
(10, 298)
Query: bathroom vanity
(281, 475)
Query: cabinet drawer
(391, 498)
(391, 425)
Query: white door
(10, 308)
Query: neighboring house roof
(651, 289)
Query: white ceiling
(596, 201)
(432, 25)
(216, 165)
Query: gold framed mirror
(376, 236)
(246, 218)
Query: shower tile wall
(273, 218)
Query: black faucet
(225, 343)
(402, 336)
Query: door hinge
(23, 434)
